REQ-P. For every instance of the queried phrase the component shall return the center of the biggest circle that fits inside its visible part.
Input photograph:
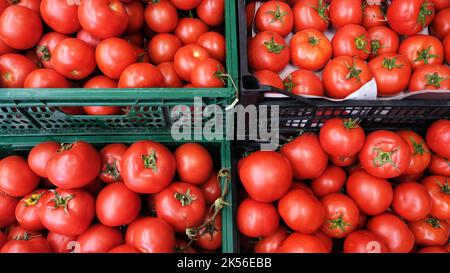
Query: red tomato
(162, 48)
(171, 78)
(186, 4)
(99, 239)
(181, 246)
(189, 30)
(433, 249)
(372, 195)
(60, 243)
(27, 243)
(438, 136)
(60, 15)
(116, 205)
(147, 167)
(15, 230)
(250, 12)
(46, 45)
(135, 12)
(303, 82)
(301, 211)
(211, 12)
(103, 18)
(351, 40)
(255, 219)
(141, 75)
(344, 75)
(187, 59)
(373, 15)
(113, 55)
(274, 16)
(385, 154)
(210, 237)
(439, 166)
(124, 249)
(439, 190)
(407, 17)
(45, 78)
(84, 163)
(411, 201)
(4, 48)
(311, 14)
(430, 77)
(211, 189)
(8, 206)
(341, 215)
(343, 161)
(194, 163)
(268, 50)
(20, 27)
(111, 157)
(440, 26)
(365, 241)
(430, 232)
(88, 38)
(310, 49)
(440, 4)
(382, 40)
(16, 177)
(341, 137)
(161, 16)
(101, 82)
(72, 110)
(27, 211)
(271, 243)
(14, 69)
(153, 235)
(344, 12)
(307, 158)
(420, 154)
(332, 180)
(325, 239)
(422, 49)
(68, 212)
(214, 43)
(40, 155)
(303, 243)
(301, 185)
(31, 4)
(269, 78)
(391, 72)
(208, 74)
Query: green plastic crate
(22, 145)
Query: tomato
(153, 235)
(255, 219)
(385, 154)
(113, 55)
(211, 12)
(343, 161)
(382, 40)
(365, 241)
(344, 75)
(303, 243)
(430, 232)
(372, 195)
(68, 212)
(103, 18)
(15, 230)
(60, 243)
(99, 239)
(446, 44)
(439, 166)
(301, 185)
(332, 180)
(14, 69)
(341, 137)
(186, 4)
(430, 77)
(27, 211)
(189, 30)
(410, 16)
(187, 58)
(307, 158)
(171, 78)
(391, 72)
(60, 15)
(45, 78)
(344, 12)
(141, 75)
(147, 167)
(420, 154)
(135, 12)
(438, 136)
(310, 14)
(433, 249)
(411, 201)
(46, 45)
(422, 49)
(88, 38)
(271, 243)
(84, 162)
(181, 246)
(301, 211)
(40, 155)
(269, 78)
(101, 82)
(27, 243)
(20, 27)
(162, 48)
(351, 40)
(124, 249)
(440, 26)
(161, 16)
(250, 12)
(16, 177)
(208, 74)
(211, 189)
(194, 163)
(341, 215)
(210, 237)
(439, 190)
(268, 50)
(4, 48)
(111, 157)
(214, 43)
(8, 206)
(373, 15)
(310, 49)
(275, 16)
(303, 82)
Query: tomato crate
(300, 113)
(220, 150)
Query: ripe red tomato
(374, 15)
(250, 12)
(393, 231)
(268, 50)
(8, 206)
(311, 14)
(439, 166)
(303, 82)
(310, 49)
(113, 55)
(301, 185)
(271, 243)
(40, 155)
(430, 77)
(88, 38)
(14, 69)
(161, 16)
(187, 58)
(162, 48)
(111, 157)
(31, 4)
(365, 241)
(344, 75)
(391, 72)
(439, 190)
(344, 12)
(372, 195)
(343, 161)
(351, 40)
(4, 48)
(20, 27)
(141, 75)
(332, 180)
(341, 137)
(440, 26)
(410, 16)
(45, 78)
(186, 4)
(68, 212)
(84, 162)
(211, 189)
(275, 16)
(385, 154)
(60, 243)
(433, 249)
(438, 136)
(103, 18)
(208, 74)
(171, 78)
(60, 15)
(430, 232)
(27, 211)
(16, 177)
(422, 49)
(99, 239)
(411, 201)
(341, 215)
(307, 158)
(214, 43)
(255, 219)
(382, 40)
(301, 211)
(135, 12)
(46, 45)
(148, 167)
(194, 163)
(189, 30)
(420, 154)
(211, 12)
(269, 78)
(303, 243)
(101, 82)
(152, 235)
(124, 249)
(210, 237)
(27, 243)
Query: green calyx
(390, 63)
(273, 47)
(435, 223)
(150, 161)
(44, 52)
(33, 199)
(339, 223)
(445, 188)
(277, 15)
(313, 40)
(353, 71)
(424, 13)
(288, 83)
(418, 147)
(434, 79)
(382, 158)
(321, 10)
(185, 198)
(424, 55)
(361, 43)
(351, 123)
(61, 202)
(111, 170)
(26, 236)
(375, 46)
(65, 147)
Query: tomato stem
(418, 147)
(339, 223)
(277, 14)
(26, 236)
(321, 9)
(435, 223)
(390, 63)
(185, 198)
(424, 13)
(65, 147)
(353, 71)
(445, 188)
(313, 40)
(273, 47)
(150, 161)
(33, 199)
(288, 83)
(361, 43)
(383, 158)
(46, 55)
(111, 169)
(61, 202)
(424, 55)
(434, 79)
(351, 123)
(375, 46)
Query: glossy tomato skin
(351, 40)
(307, 158)
(385, 154)
(310, 14)
(60, 16)
(111, 157)
(430, 232)
(99, 239)
(438, 136)
(153, 235)
(214, 43)
(420, 154)
(210, 237)
(211, 189)
(430, 77)
(8, 206)
(391, 72)
(405, 16)
(439, 166)
(46, 46)
(211, 12)
(301, 211)
(148, 167)
(189, 30)
(275, 16)
(332, 180)
(113, 55)
(271, 243)
(440, 4)
(88, 38)
(411, 201)
(79, 204)
(255, 219)
(141, 75)
(310, 49)
(422, 49)
(16, 177)
(266, 175)
(135, 12)
(171, 78)
(303, 82)
(161, 16)
(303, 243)
(439, 190)
(194, 163)
(40, 155)
(124, 249)
(382, 40)
(269, 78)
(27, 245)
(343, 12)
(60, 243)
(440, 26)
(101, 82)
(45, 78)
(373, 15)
(84, 161)
(103, 18)
(365, 241)
(341, 137)
(27, 211)
(341, 215)
(162, 48)
(208, 74)
(268, 50)
(343, 161)
(186, 4)
(187, 58)
(14, 69)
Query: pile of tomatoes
(373, 39)
(111, 44)
(71, 198)
(344, 191)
